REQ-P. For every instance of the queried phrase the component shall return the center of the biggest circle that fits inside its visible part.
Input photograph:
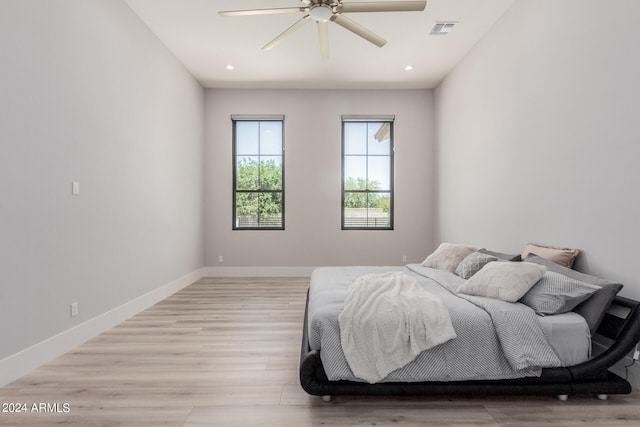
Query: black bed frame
(620, 335)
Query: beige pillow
(448, 256)
(562, 256)
(507, 281)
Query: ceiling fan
(323, 11)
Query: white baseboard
(25, 361)
(258, 271)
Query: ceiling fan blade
(384, 6)
(323, 36)
(261, 11)
(358, 29)
(299, 23)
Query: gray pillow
(500, 255)
(556, 293)
(593, 308)
(473, 263)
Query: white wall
(537, 135)
(87, 93)
(312, 180)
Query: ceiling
(206, 43)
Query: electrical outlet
(220, 258)
(404, 258)
(74, 309)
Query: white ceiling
(206, 43)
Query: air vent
(442, 28)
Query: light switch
(75, 188)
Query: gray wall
(312, 179)
(87, 93)
(537, 135)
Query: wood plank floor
(225, 352)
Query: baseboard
(258, 271)
(25, 361)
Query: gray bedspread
(495, 339)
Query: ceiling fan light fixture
(321, 12)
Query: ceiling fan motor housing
(321, 12)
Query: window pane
(271, 138)
(379, 141)
(355, 138)
(246, 210)
(247, 176)
(270, 173)
(379, 173)
(270, 209)
(247, 138)
(379, 213)
(355, 209)
(355, 170)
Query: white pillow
(507, 281)
(448, 256)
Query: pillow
(555, 293)
(562, 256)
(473, 263)
(500, 255)
(447, 256)
(593, 308)
(507, 281)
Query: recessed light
(408, 67)
(230, 67)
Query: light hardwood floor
(225, 352)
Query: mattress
(567, 334)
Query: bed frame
(618, 334)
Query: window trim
(368, 119)
(255, 118)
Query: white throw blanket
(387, 320)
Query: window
(367, 173)
(258, 173)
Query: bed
(585, 354)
